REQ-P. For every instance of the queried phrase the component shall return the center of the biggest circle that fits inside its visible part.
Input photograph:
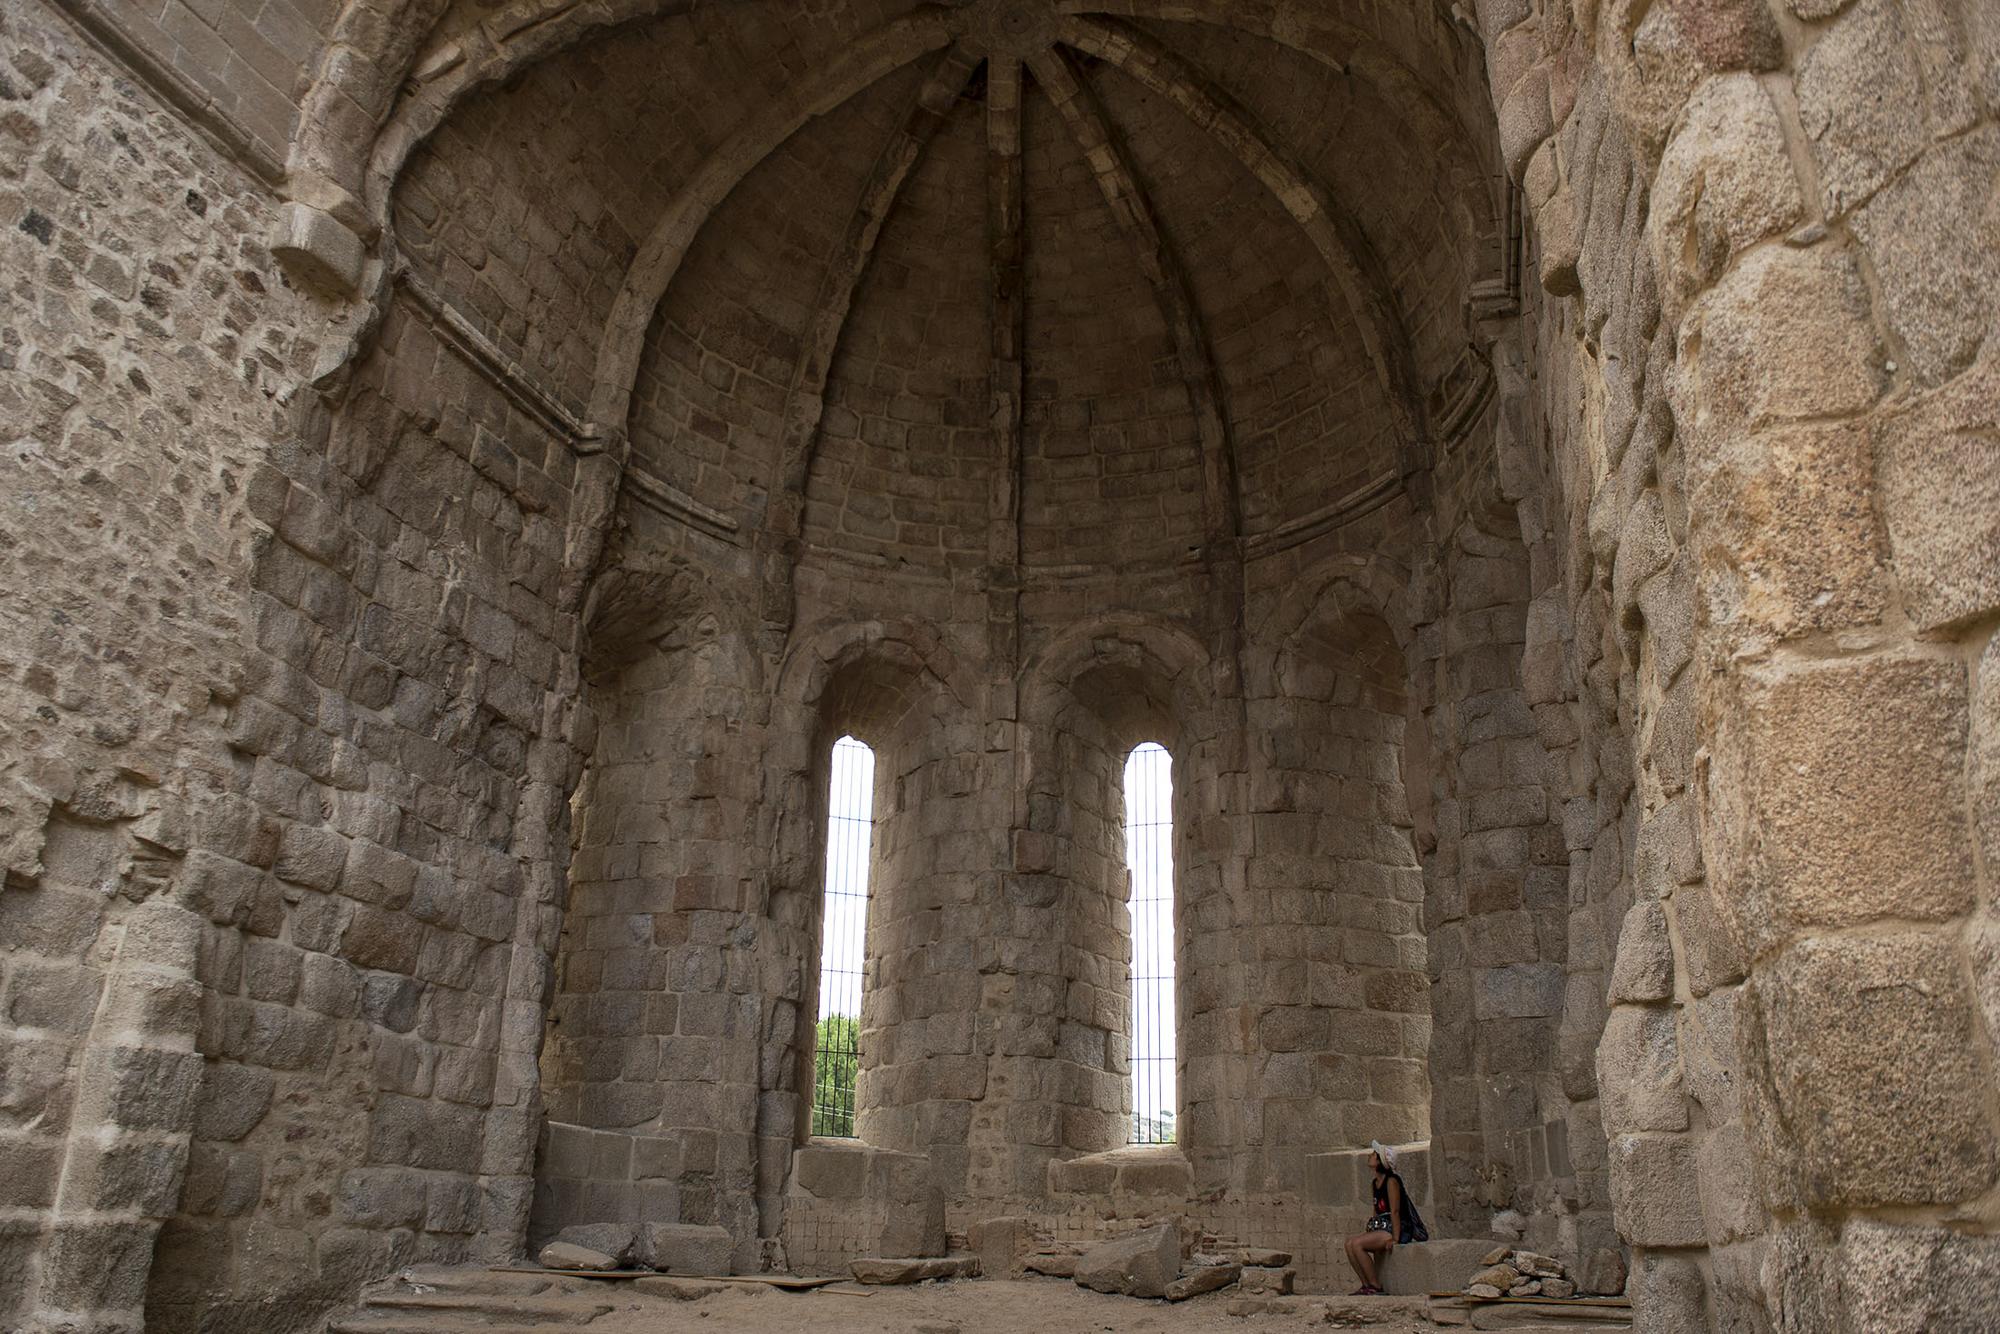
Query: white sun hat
(1384, 1152)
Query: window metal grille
(843, 928)
(1149, 855)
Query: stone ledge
(1158, 1170)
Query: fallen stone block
(685, 1248)
(562, 1255)
(1262, 1258)
(617, 1240)
(1139, 1264)
(1275, 1282)
(998, 1243)
(919, 1269)
(1558, 1287)
(1204, 1278)
(1055, 1264)
(1502, 1277)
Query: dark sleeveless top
(1410, 1227)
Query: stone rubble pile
(1512, 1273)
(1157, 1262)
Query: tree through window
(843, 931)
(1149, 856)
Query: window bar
(1149, 858)
(843, 931)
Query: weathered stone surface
(1139, 1264)
(1639, 1071)
(1055, 1264)
(1785, 335)
(1644, 966)
(562, 1255)
(1936, 463)
(1713, 959)
(684, 1248)
(1671, 1292)
(1857, 1132)
(999, 1243)
(1206, 1278)
(1604, 1275)
(1653, 1190)
(878, 1271)
(1859, 140)
(1937, 275)
(1262, 1256)
(1277, 1282)
(1789, 533)
(1725, 182)
(1894, 731)
(318, 249)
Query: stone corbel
(321, 237)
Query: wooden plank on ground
(786, 1282)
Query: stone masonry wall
(1693, 596)
(294, 1045)
(148, 342)
(1747, 575)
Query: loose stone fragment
(1055, 1264)
(1277, 1282)
(562, 1255)
(918, 1270)
(1205, 1278)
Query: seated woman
(1396, 1221)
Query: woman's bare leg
(1369, 1247)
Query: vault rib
(805, 405)
(870, 59)
(1356, 270)
(1005, 186)
(1341, 45)
(805, 402)
(1130, 204)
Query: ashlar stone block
(1808, 764)
(1836, 1122)
(1655, 1195)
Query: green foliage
(836, 1061)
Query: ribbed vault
(992, 283)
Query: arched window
(843, 931)
(1149, 856)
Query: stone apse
(1532, 464)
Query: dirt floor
(989, 1306)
